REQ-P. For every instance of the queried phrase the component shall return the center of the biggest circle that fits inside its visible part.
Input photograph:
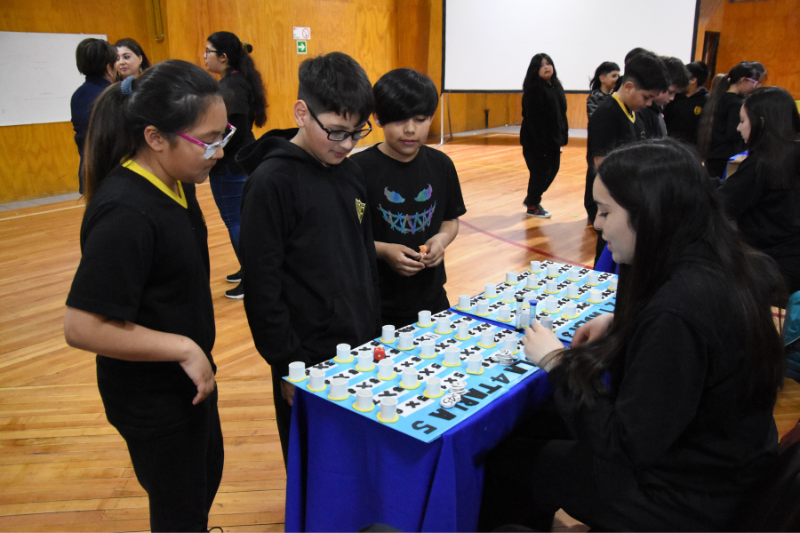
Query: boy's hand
(196, 365)
(434, 254)
(401, 259)
(287, 391)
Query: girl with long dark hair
(763, 195)
(544, 129)
(246, 101)
(717, 137)
(602, 85)
(683, 425)
(131, 59)
(141, 298)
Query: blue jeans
(227, 190)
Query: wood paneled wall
(768, 32)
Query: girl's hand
(593, 330)
(197, 367)
(542, 347)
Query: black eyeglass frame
(356, 135)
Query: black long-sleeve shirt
(544, 117)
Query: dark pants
(588, 195)
(400, 320)
(283, 411)
(227, 190)
(543, 165)
(180, 471)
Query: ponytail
(170, 96)
(238, 54)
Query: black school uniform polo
(145, 260)
(612, 125)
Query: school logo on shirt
(360, 206)
(698, 110)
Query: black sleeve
(741, 191)
(591, 104)
(267, 223)
(242, 125)
(603, 131)
(117, 256)
(732, 122)
(657, 399)
(235, 94)
(455, 201)
(536, 119)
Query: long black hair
(671, 203)
(605, 68)
(532, 76)
(134, 47)
(239, 59)
(171, 96)
(774, 136)
(705, 127)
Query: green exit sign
(302, 47)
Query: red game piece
(378, 354)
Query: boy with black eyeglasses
(306, 236)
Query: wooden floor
(64, 468)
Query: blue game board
(419, 416)
(564, 326)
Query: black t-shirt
(726, 141)
(611, 127)
(145, 260)
(682, 115)
(239, 104)
(652, 121)
(409, 202)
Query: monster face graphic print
(406, 222)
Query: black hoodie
(308, 257)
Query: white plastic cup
(525, 320)
(612, 284)
(406, 341)
(297, 371)
(364, 361)
(388, 407)
(487, 338)
(511, 278)
(463, 302)
(570, 310)
(595, 295)
(316, 379)
(533, 281)
(364, 400)
(433, 387)
(463, 330)
(428, 349)
(385, 369)
(443, 324)
(574, 274)
(510, 344)
(592, 278)
(552, 286)
(483, 307)
(547, 321)
(424, 319)
(551, 304)
(410, 378)
(343, 351)
(572, 291)
(490, 290)
(474, 363)
(387, 333)
(505, 313)
(508, 295)
(451, 356)
(552, 271)
(339, 388)
(536, 266)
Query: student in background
(602, 85)
(652, 115)
(717, 136)
(306, 242)
(132, 59)
(763, 195)
(544, 129)
(682, 115)
(614, 123)
(140, 298)
(246, 102)
(415, 198)
(683, 426)
(97, 61)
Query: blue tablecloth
(346, 471)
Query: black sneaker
(235, 278)
(538, 211)
(236, 293)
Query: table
(346, 472)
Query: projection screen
(488, 44)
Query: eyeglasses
(339, 135)
(212, 148)
(754, 81)
(210, 51)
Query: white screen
(39, 76)
(489, 44)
